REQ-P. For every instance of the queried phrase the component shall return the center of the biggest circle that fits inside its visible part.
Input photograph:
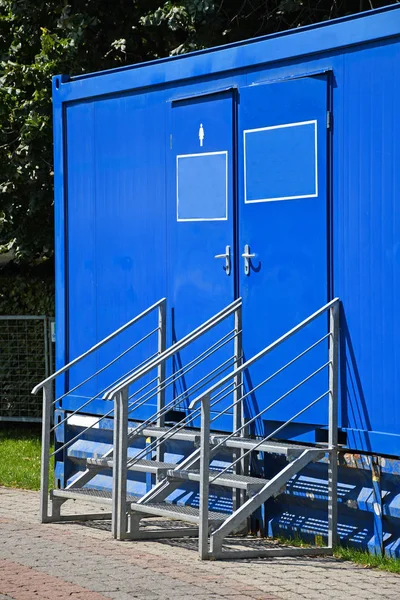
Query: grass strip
(20, 448)
(367, 560)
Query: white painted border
(226, 181)
(84, 421)
(315, 123)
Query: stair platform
(230, 480)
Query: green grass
(368, 560)
(360, 557)
(20, 455)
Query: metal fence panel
(26, 357)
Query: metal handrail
(270, 377)
(138, 374)
(179, 399)
(113, 361)
(285, 395)
(172, 404)
(176, 401)
(268, 437)
(190, 365)
(207, 394)
(120, 394)
(97, 397)
(258, 415)
(176, 347)
(135, 404)
(265, 351)
(205, 401)
(196, 412)
(97, 346)
(170, 432)
(47, 386)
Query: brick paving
(81, 562)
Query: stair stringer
(274, 485)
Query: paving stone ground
(81, 562)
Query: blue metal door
(116, 237)
(283, 227)
(200, 231)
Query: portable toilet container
(264, 170)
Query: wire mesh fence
(26, 357)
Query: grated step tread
(181, 434)
(156, 463)
(147, 466)
(90, 495)
(176, 511)
(227, 479)
(288, 449)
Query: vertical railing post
(162, 345)
(120, 459)
(378, 548)
(45, 457)
(204, 476)
(47, 366)
(238, 411)
(334, 324)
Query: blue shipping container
(285, 148)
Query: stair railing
(159, 416)
(122, 384)
(50, 401)
(120, 394)
(134, 403)
(206, 400)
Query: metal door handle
(227, 257)
(247, 256)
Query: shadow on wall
(353, 405)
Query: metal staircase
(217, 460)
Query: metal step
(142, 465)
(175, 511)
(230, 480)
(186, 435)
(287, 449)
(89, 495)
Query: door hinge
(329, 118)
(170, 141)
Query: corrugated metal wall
(127, 218)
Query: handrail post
(238, 415)
(204, 476)
(238, 411)
(120, 458)
(334, 324)
(45, 458)
(162, 345)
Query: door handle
(227, 257)
(247, 256)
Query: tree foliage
(27, 289)
(39, 39)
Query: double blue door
(249, 218)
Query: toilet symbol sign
(201, 134)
